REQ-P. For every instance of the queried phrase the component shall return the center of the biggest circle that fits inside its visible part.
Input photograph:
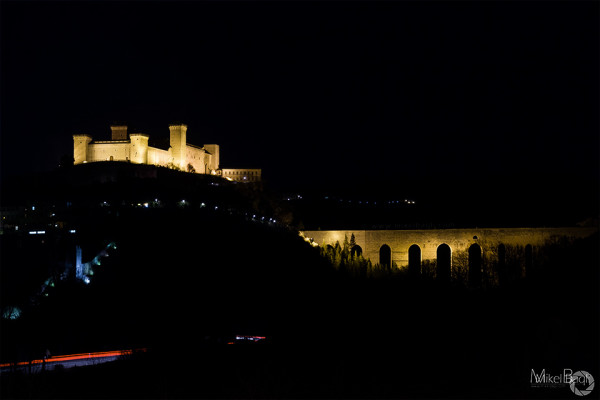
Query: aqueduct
(411, 248)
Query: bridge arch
(385, 256)
(444, 262)
(356, 251)
(414, 260)
(475, 273)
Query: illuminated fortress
(134, 148)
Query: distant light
(32, 208)
(16, 227)
(32, 232)
(216, 207)
(72, 231)
(11, 312)
(86, 280)
(41, 232)
(251, 338)
(145, 205)
(202, 204)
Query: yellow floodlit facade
(134, 148)
(242, 175)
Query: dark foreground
(183, 280)
(355, 339)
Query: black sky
(313, 93)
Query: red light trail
(74, 357)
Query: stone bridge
(408, 248)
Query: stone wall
(159, 156)
(135, 149)
(139, 148)
(196, 156)
(458, 239)
(178, 141)
(214, 156)
(80, 148)
(119, 151)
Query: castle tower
(178, 144)
(119, 132)
(213, 149)
(139, 148)
(80, 148)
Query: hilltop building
(134, 148)
(242, 175)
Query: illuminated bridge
(450, 250)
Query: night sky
(313, 93)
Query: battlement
(134, 148)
